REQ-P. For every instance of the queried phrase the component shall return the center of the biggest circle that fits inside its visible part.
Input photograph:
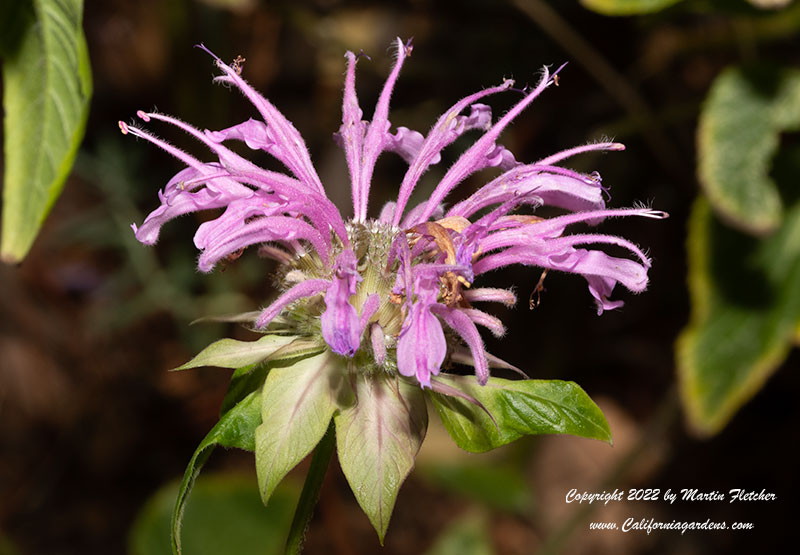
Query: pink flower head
(405, 279)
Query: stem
(310, 494)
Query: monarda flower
(372, 310)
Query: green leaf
(745, 297)
(236, 428)
(249, 378)
(738, 134)
(377, 441)
(519, 407)
(297, 406)
(225, 516)
(47, 86)
(244, 381)
(627, 7)
(231, 353)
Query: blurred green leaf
(236, 428)
(46, 89)
(770, 4)
(226, 516)
(627, 7)
(519, 407)
(377, 441)
(738, 134)
(297, 406)
(745, 295)
(467, 535)
(499, 486)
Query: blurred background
(94, 429)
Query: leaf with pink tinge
(378, 440)
(298, 403)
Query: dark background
(91, 422)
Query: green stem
(310, 494)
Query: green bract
(296, 407)
(512, 409)
(282, 401)
(377, 441)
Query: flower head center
(385, 275)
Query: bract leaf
(236, 428)
(297, 406)
(249, 378)
(231, 353)
(520, 407)
(377, 441)
(243, 382)
(239, 318)
(46, 89)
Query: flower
(382, 291)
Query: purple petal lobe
(407, 144)
(463, 326)
(341, 328)
(255, 134)
(421, 347)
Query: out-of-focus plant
(744, 233)
(744, 261)
(627, 7)
(466, 535)
(144, 282)
(47, 85)
(635, 7)
(227, 502)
